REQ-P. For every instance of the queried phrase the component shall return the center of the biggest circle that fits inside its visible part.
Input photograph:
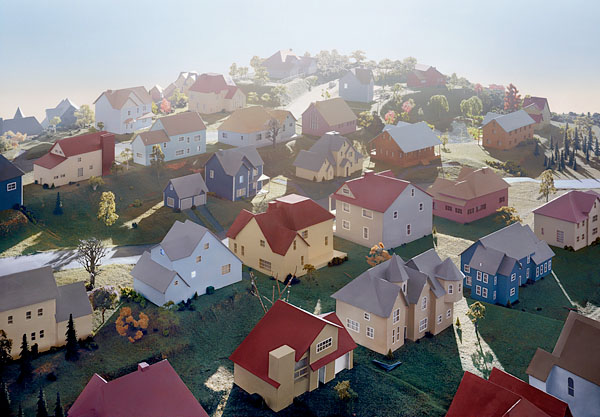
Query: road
(300, 104)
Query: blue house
(235, 173)
(184, 192)
(11, 184)
(179, 136)
(498, 264)
(357, 85)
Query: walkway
(205, 218)
(575, 184)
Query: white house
(125, 110)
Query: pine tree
(576, 145)
(58, 207)
(597, 148)
(72, 353)
(574, 164)
(551, 143)
(562, 161)
(58, 410)
(571, 159)
(552, 161)
(545, 161)
(4, 401)
(20, 413)
(24, 361)
(566, 137)
(41, 405)
(566, 147)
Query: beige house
(76, 159)
(332, 156)
(31, 304)
(293, 232)
(398, 300)
(289, 352)
(211, 93)
(570, 220)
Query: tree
(508, 215)
(551, 144)
(178, 99)
(574, 164)
(154, 108)
(85, 117)
(5, 349)
(4, 401)
(72, 348)
(444, 139)
(265, 97)
(252, 97)
(42, 411)
(20, 413)
(471, 107)
(100, 125)
(95, 182)
(261, 75)
(547, 184)
(390, 117)
(24, 361)
(233, 70)
(597, 148)
(278, 93)
(127, 154)
(439, 105)
(242, 72)
(107, 210)
(58, 206)
(89, 254)
(157, 159)
(475, 313)
(55, 121)
(104, 298)
(165, 106)
(365, 118)
(377, 254)
(310, 270)
(273, 128)
(576, 144)
(512, 98)
(325, 94)
(358, 56)
(256, 62)
(58, 410)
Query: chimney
(272, 205)
(369, 173)
(143, 366)
(107, 144)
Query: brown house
(505, 131)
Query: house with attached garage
(11, 185)
(235, 173)
(125, 110)
(405, 145)
(398, 300)
(498, 264)
(357, 84)
(189, 260)
(324, 116)
(289, 352)
(572, 371)
(378, 207)
(505, 131)
(250, 127)
(184, 192)
(180, 135)
(333, 155)
(211, 93)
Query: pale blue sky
(53, 49)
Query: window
(10, 319)
(367, 317)
(32, 335)
(404, 288)
(450, 289)
(560, 236)
(345, 191)
(528, 258)
(176, 283)
(478, 275)
(467, 268)
(370, 332)
(421, 206)
(595, 218)
(485, 278)
(484, 292)
(594, 230)
(395, 215)
(494, 295)
(448, 208)
(170, 202)
(478, 289)
(468, 280)
(537, 271)
(241, 192)
(225, 269)
(224, 135)
(352, 325)
(346, 224)
(11, 186)
(459, 287)
(138, 154)
(206, 245)
(259, 136)
(545, 268)
(502, 199)
(424, 303)
(40, 312)
(305, 234)
(241, 179)
(470, 211)
(513, 277)
(266, 265)
(423, 325)
(91, 167)
(301, 368)
(162, 251)
(41, 334)
(324, 345)
(294, 245)
(181, 138)
(346, 207)
(439, 319)
(458, 210)
(211, 173)
(527, 274)
(28, 315)
(448, 313)
(412, 192)
(179, 152)
(571, 386)
(234, 249)
(302, 260)
(408, 230)
(367, 214)
(193, 274)
(512, 291)
(80, 172)
(199, 258)
(542, 230)
(79, 159)
(396, 315)
(365, 232)
(243, 250)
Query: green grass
(38, 151)
(225, 211)
(578, 273)
(471, 231)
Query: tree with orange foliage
(377, 255)
(165, 106)
(512, 99)
(128, 326)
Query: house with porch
(328, 115)
(425, 76)
(250, 127)
(125, 110)
(539, 110)
(11, 185)
(357, 84)
(211, 93)
(505, 131)
(185, 192)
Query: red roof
(151, 391)
(572, 207)
(283, 219)
(503, 395)
(537, 117)
(285, 324)
(213, 83)
(72, 146)
(540, 102)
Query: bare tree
(89, 254)
(282, 293)
(274, 127)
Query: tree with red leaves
(512, 99)
(478, 88)
(165, 106)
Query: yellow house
(293, 232)
(31, 304)
(289, 352)
(211, 93)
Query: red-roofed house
(289, 352)
(294, 231)
(569, 220)
(151, 391)
(212, 94)
(425, 76)
(539, 110)
(503, 395)
(76, 159)
(125, 110)
(378, 207)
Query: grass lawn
(578, 273)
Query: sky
(77, 49)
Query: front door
(322, 374)
(405, 333)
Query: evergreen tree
(41, 405)
(587, 154)
(571, 159)
(4, 401)
(562, 161)
(20, 413)
(597, 148)
(72, 353)
(552, 161)
(545, 161)
(58, 207)
(566, 137)
(551, 143)
(58, 410)
(576, 144)
(24, 361)
(574, 164)
(536, 150)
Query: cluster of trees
(42, 408)
(573, 142)
(274, 98)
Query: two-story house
(180, 135)
(31, 304)
(285, 63)
(475, 194)
(20, 124)
(125, 110)
(76, 159)
(235, 173)
(324, 116)
(378, 207)
(65, 110)
(425, 76)
(357, 84)
(185, 192)
(497, 264)
(212, 94)
(289, 352)
(505, 131)
(398, 300)
(333, 155)
(293, 232)
(250, 127)
(570, 220)
(11, 185)
(188, 261)
(539, 110)
(405, 145)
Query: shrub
(134, 225)
(165, 333)
(509, 304)
(45, 186)
(51, 377)
(389, 355)
(177, 210)
(194, 207)
(137, 203)
(210, 290)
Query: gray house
(188, 260)
(357, 85)
(65, 110)
(20, 124)
(184, 192)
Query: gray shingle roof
(412, 137)
(232, 159)
(19, 124)
(182, 239)
(189, 185)
(431, 264)
(310, 160)
(153, 273)
(510, 121)
(363, 75)
(369, 293)
(322, 149)
(72, 299)
(8, 170)
(26, 288)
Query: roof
(283, 59)
(572, 207)
(423, 67)
(150, 391)
(430, 263)
(510, 121)
(469, 185)
(412, 137)
(72, 146)
(214, 83)
(181, 123)
(282, 221)
(118, 98)
(373, 191)
(539, 102)
(285, 324)
(26, 288)
(59, 111)
(253, 119)
(152, 137)
(323, 150)
(189, 185)
(232, 159)
(152, 273)
(580, 336)
(8, 170)
(72, 299)
(19, 124)
(335, 111)
(363, 75)
(18, 113)
(182, 239)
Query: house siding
(495, 137)
(351, 89)
(384, 148)
(314, 124)
(586, 398)
(8, 199)
(576, 235)
(209, 103)
(197, 200)
(67, 171)
(492, 201)
(251, 138)
(226, 186)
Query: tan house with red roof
(250, 127)
(378, 207)
(569, 220)
(125, 110)
(76, 159)
(212, 94)
(539, 110)
(289, 352)
(293, 232)
(328, 115)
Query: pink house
(330, 115)
(474, 195)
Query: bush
(45, 186)
(257, 401)
(389, 355)
(210, 290)
(165, 333)
(35, 350)
(51, 377)
(337, 261)
(194, 207)
(134, 225)
(137, 203)
(292, 278)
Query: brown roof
(335, 111)
(253, 119)
(470, 184)
(363, 75)
(575, 351)
(118, 98)
(153, 137)
(186, 122)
